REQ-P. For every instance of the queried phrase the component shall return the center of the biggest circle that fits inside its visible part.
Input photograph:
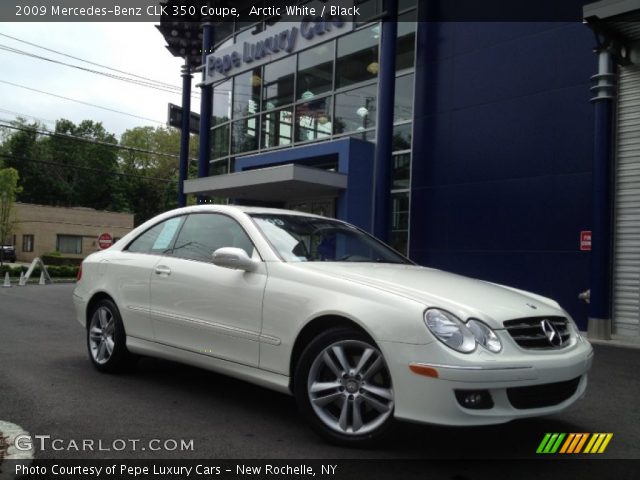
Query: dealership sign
(271, 45)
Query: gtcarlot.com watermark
(45, 443)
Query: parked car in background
(317, 308)
(8, 253)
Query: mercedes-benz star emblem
(551, 333)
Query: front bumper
(432, 400)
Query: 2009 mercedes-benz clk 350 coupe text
(318, 308)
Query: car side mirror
(235, 258)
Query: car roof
(245, 209)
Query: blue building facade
(501, 171)
(488, 167)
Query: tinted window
(158, 239)
(204, 233)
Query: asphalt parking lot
(49, 387)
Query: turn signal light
(423, 370)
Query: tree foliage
(79, 166)
(8, 190)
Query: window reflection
(401, 170)
(399, 231)
(315, 71)
(406, 41)
(222, 103)
(402, 137)
(355, 110)
(357, 58)
(244, 135)
(278, 83)
(220, 142)
(256, 109)
(368, 136)
(277, 128)
(246, 93)
(219, 168)
(313, 119)
(403, 103)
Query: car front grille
(539, 332)
(539, 396)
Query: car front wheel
(343, 387)
(106, 338)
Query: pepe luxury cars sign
(271, 45)
(317, 308)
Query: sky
(137, 48)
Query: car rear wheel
(106, 338)
(343, 388)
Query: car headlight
(485, 336)
(450, 330)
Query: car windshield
(309, 239)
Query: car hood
(463, 296)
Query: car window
(158, 239)
(204, 233)
(313, 239)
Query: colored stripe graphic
(550, 443)
(574, 443)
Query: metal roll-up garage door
(626, 265)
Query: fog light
(474, 399)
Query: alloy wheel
(349, 387)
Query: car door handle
(163, 270)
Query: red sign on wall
(585, 240)
(105, 241)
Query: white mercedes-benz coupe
(317, 308)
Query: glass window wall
(406, 42)
(246, 93)
(355, 110)
(313, 119)
(315, 71)
(357, 56)
(278, 83)
(277, 128)
(222, 103)
(403, 103)
(244, 135)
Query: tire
(343, 388)
(106, 339)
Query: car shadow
(204, 390)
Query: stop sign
(105, 241)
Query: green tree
(157, 193)
(24, 150)
(8, 190)
(88, 172)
